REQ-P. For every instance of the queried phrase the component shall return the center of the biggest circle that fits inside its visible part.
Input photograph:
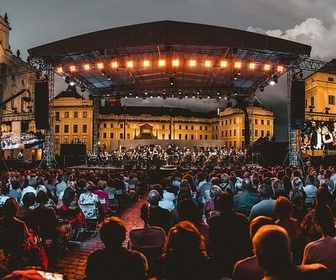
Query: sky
(312, 22)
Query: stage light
(59, 70)
(109, 78)
(86, 67)
(146, 63)
(162, 63)
(72, 68)
(274, 80)
(114, 64)
(192, 62)
(280, 68)
(252, 66)
(223, 64)
(72, 83)
(175, 63)
(237, 65)
(100, 65)
(172, 81)
(130, 64)
(207, 63)
(267, 67)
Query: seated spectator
(104, 201)
(311, 229)
(89, 198)
(310, 190)
(185, 256)
(323, 250)
(297, 197)
(158, 216)
(229, 235)
(148, 240)
(248, 268)
(283, 212)
(13, 232)
(210, 206)
(26, 212)
(266, 206)
(245, 200)
(271, 245)
(15, 192)
(114, 261)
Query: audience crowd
(229, 222)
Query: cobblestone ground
(73, 263)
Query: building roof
(70, 92)
(170, 40)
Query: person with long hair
(185, 256)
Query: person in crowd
(271, 245)
(309, 223)
(279, 188)
(310, 190)
(114, 261)
(229, 235)
(266, 206)
(248, 268)
(283, 212)
(210, 206)
(26, 212)
(148, 240)
(15, 192)
(185, 255)
(13, 232)
(158, 216)
(323, 250)
(244, 201)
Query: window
(206, 137)
(128, 135)
(201, 137)
(57, 128)
(243, 132)
(201, 128)
(75, 128)
(163, 126)
(222, 123)
(312, 101)
(330, 79)
(66, 114)
(180, 136)
(75, 114)
(84, 128)
(186, 137)
(256, 133)
(262, 133)
(111, 125)
(121, 136)
(192, 136)
(57, 116)
(226, 133)
(111, 135)
(230, 121)
(186, 127)
(192, 127)
(234, 132)
(121, 125)
(85, 114)
(262, 122)
(222, 133)
(226, 122)
(234, 121)
(104, 125)
(66, 128)
(230, 132)
(104, 135)
(206, 128)
(180, 126)
(331, 99)
(268, 122)
(256, 121)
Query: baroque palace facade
(125, 124)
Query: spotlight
(72, 83)
(172, 81)
(274, 80)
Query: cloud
(312, 32)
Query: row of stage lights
(130, 64)
(179, 95)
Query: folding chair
(91, 213)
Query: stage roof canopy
(171, 59)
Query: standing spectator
(15, 192)
(229, 235)
(114, 261)
(310, 189)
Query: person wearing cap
(158, 216)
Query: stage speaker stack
(297, 98)
(41, 105)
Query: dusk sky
(313, 22)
